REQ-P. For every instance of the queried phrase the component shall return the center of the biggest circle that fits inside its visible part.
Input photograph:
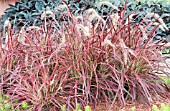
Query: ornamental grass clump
(82, 63)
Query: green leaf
(63, 108)
(11, 9)
(165, 107)
(7, 106)
(133, 108)
(78, 106)
(2, 109)
(1, 96)
(37, 6)
(155, 108)
(24, 104)
(35, 14)
(7, 97)
(87, 108)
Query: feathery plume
(108, 4)
(157, 17)
(45, 13)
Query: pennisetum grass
(78, 63)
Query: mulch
(139, 106)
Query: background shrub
(28, 12)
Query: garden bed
(139, 106)
(74, 61)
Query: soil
(138, 106)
